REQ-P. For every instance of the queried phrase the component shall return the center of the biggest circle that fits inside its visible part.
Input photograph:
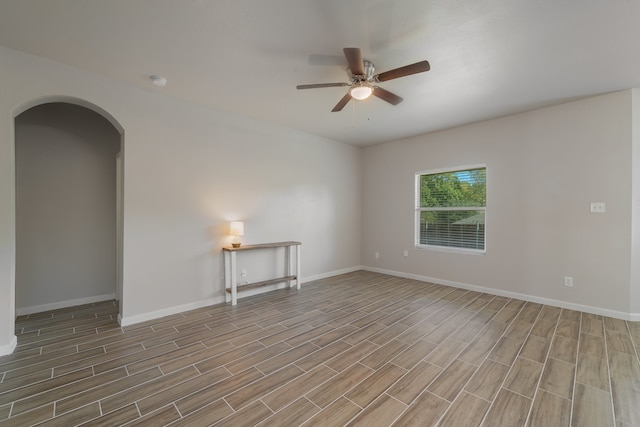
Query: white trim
(419, 210)
(452, 169)
(152, 315)
(263, 289)
(451, 249)
(8, 348)
(331, 274)
(63, 304)
(126, 321)
(633, 317)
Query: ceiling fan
(363, 83)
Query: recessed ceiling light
(158, 81)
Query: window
(450, 208)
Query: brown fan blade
(385, 95)
(319, 85)
(407, 70)
(340, 105)
(354, 59)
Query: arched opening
(68, 170)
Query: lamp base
(236, 245)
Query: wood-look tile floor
(357, 349)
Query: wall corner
(634, 285)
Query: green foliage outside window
(452, 208)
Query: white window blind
(451, 207)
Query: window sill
(446, 249)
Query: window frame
(419, 210)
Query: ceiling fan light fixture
(361, 92)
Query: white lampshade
(361, 92)
(236, 228)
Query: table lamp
(236, 229)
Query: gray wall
(65, 206)
(188, 171)
(544, 168)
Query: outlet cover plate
(598, 207)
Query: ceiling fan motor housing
(369, 69)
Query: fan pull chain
(353, 114)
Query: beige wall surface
(188, 171)
(544, 168)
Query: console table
(291, 270)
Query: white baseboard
(8, 348)
(303, 280)
(330, 274)
(634, 317)
(63, 304)
(132, 320)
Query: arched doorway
(68, 168)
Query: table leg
(234, 282)
(287, 264)
(297, 266)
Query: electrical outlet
(598, 207)
(243, 272)
(568, 281)
(377, 255)
(406, 252)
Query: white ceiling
(488, 58)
